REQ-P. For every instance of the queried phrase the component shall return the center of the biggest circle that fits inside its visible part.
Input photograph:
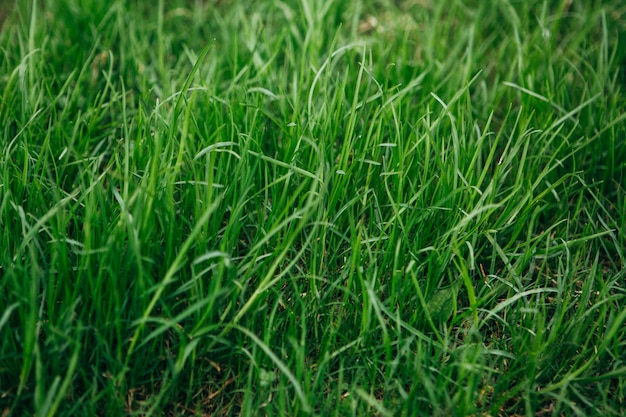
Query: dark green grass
(313, 207)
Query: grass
(313, 208)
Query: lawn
(313, 207)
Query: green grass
(314, 207)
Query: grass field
(313, 207)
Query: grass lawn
(313, 207)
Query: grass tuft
(312, 207)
